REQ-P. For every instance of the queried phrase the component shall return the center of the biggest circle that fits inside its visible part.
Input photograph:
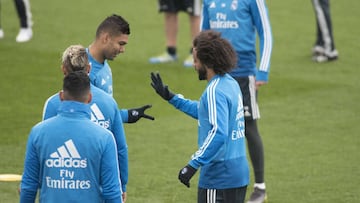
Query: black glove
(135, 114)
(160, 88)
(185, 174)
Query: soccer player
(68, 157)
(324, 49)
(25, 19)
(171, 9)
(238, 21)
(224, 174)
(111, 37)
(104, 109)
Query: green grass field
(310, 112)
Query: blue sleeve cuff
(193, 164)
(172, 100)
(124, 115)
(262, 76)
(27, 196)
(116, 200)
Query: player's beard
(111, 56)
(202, 72)
(111, 53)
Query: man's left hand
(185, 174)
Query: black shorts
(248, 90)
(192, 7)
(230, 195)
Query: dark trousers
(324, 37)
(23, 11)
(231, 195)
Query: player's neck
(209, 74)
(95, 53)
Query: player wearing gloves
(111, 37)
(240, 21)
(68, 157)
(104, 109)
(224, 173)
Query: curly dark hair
(215, 52)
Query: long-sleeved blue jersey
(237, 20)
(69, 158)
(221, 134)
(101, 76)
(104, 111)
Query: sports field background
(310, 112)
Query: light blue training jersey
(238, 21)
(221, 134)
(101, 76)
(69, 158)
(104, 111)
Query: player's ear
(103, 37)
(89, 97)
(106, 37)
(61, 95)
(63, 69)
(88, 68)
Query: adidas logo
(66, 156)
(103, 82)
(71, 151)
(98, 117)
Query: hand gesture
(136, 113)
(160, 88)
